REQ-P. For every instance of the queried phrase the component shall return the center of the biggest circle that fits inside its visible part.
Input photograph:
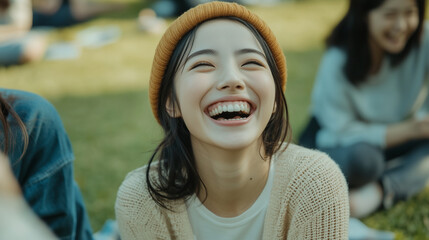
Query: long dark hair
(352, 34)
(7, 134)
(177, 177)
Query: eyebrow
(201, 52)
(213, 52)
(250, 50)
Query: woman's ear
(172, 110)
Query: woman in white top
(223, 170)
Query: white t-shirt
(249, 225)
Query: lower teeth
(230, 119)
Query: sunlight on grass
(112, 134)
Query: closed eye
(201, 64)
(253, 63)
(390, 14)
(410, 12)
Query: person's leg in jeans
(362, 165)
(408, 177)
(366, 166)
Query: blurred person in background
(17, 44)
(369, 103)
(33, 137)
(63, 13)
(152, 19)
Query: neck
(376, 56)
(233, 179)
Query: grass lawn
(102, 99)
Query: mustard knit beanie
(188, 21)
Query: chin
(395, 48)
(234, 143)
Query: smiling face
(225, 89)
(392, 24)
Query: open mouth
(236, 110)
(396, 38)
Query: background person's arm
(19, 20)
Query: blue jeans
(11, 51)
(403, 171)
(45, 171)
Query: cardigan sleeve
(140, 217)
(134, 210)
(320, 205)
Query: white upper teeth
(229, 107)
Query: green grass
(102, 99)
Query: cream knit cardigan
(308, 200)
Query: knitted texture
(308, 200)
(188, 21)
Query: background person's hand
(412, 129)
(421, 128)
(8, 183)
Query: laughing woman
(369, 100)
(223, 170)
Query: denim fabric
(403, 171)
(45, 172)
(12, 51)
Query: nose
(401, 24)
(231, 79)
